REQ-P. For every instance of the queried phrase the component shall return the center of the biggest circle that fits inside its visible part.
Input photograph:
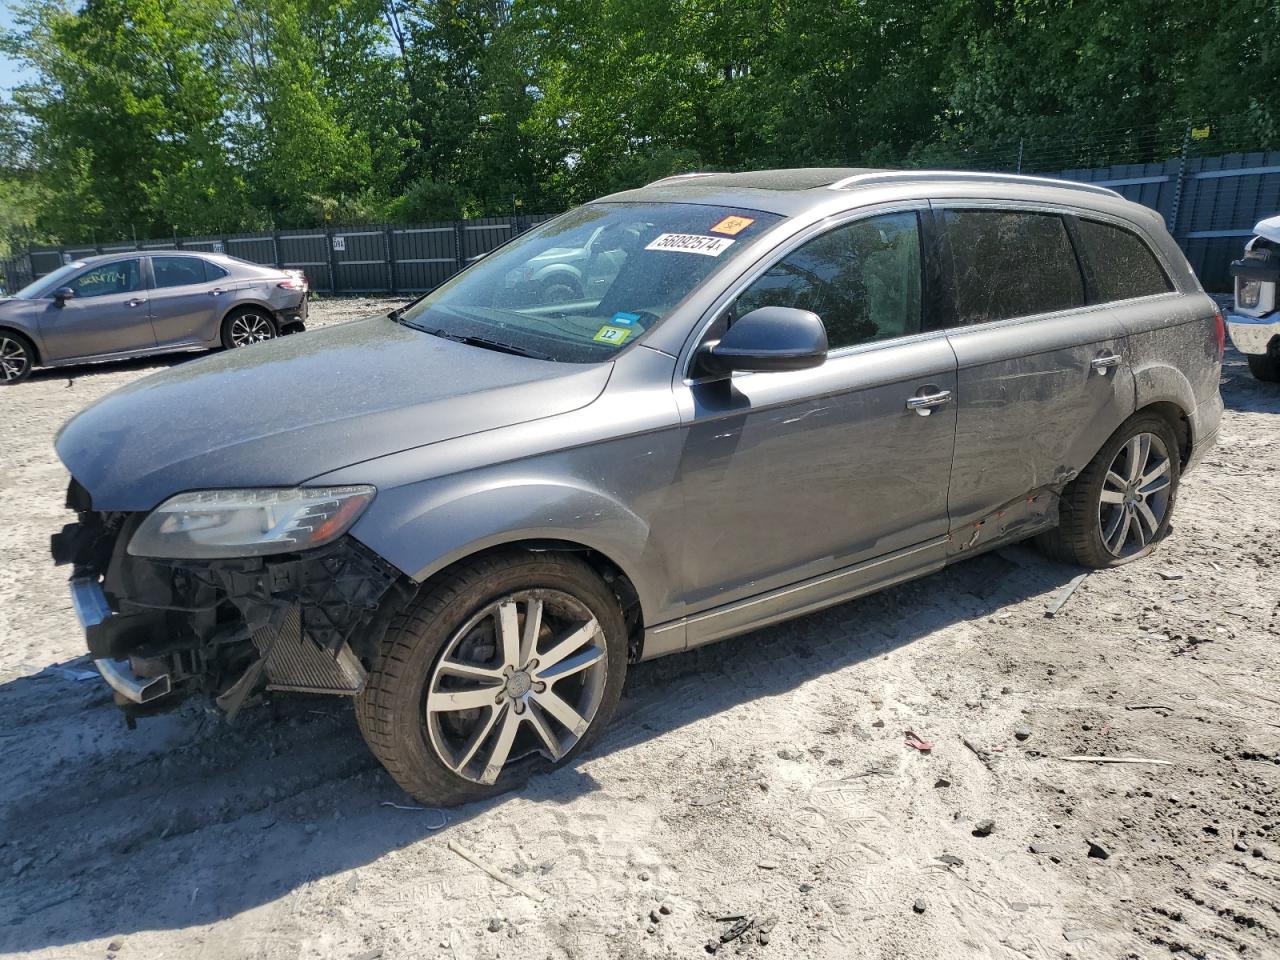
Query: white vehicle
(1254, 324)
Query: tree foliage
(187, 116)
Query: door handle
(217, 292)
(135, 302)
(923, 405)
(1104, 361)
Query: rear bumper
(1253, 334)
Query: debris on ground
(917, 742)
(983, 828)
(1086, 759)
(1064, 595)
(535, 895)
(1097, 850)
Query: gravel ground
(767, 776)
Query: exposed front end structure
(160, 630)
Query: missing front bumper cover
(227, 628)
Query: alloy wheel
(251, 328)
(1135, 495)
(15, 361)
(524, 675)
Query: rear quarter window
(1122, 264)
(1009, 263)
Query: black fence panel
(1209, 203)
(423, 257)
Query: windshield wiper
(496, 345)
(398, 312)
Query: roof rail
(683, 176)
(890, 176)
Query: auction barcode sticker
(690, 243)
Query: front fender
(425, 527)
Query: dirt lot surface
(767, 777)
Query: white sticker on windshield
(690, 243)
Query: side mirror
(62, 295)
(765, 340)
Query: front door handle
(135, 302)
(923, 404)
(1105, 361)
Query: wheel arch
(424, 533)
(36, 359)
(1179, 421)
(241, 306)
(609, 570)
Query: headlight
(210, 524)
(1248, 293)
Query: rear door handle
(924, 404)
(217, 292)
(135, 302)
(1104, 361)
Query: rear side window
(213, 272)
(1123, 265)
(1008, 263)
(177, 271)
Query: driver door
(108, 314)
(792, 476)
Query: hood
(279, 413)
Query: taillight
(1220, 330)
(295, 284)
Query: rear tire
(444, 708)
(1121, 505)
(1265, 367)
(17, 358)
(245, 327)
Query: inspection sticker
(732, 226)
(624, 319)
(690, 243)
(615, 335)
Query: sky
(10, 74)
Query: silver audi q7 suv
(799, 386)
(135, 304)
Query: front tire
(17, 358)
(505, 666)
(1121, 505)
(1265, 366)
(246, 327)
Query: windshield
(581, 287)
(49, 281)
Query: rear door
(1043, 378)
(108, 313)
(187, 298)
(788, 476)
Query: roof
(795, 191)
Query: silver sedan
(134, 304)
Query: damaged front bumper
(160, 630)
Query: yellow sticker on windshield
(732, 226)
(614, 335)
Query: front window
(50, 281)
(583, 286)
(122, 276)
